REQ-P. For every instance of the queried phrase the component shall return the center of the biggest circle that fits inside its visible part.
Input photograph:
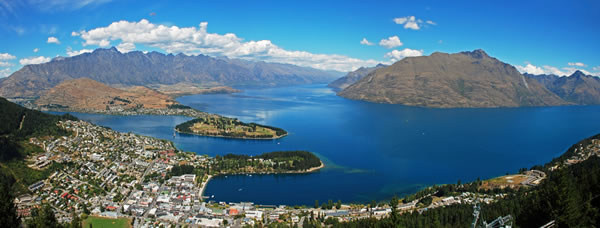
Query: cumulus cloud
(126, 47)
(565, 71)
(411, 22)
(6, 56)
(53, 40)
(34, 60)
(364, 41)
(578, 64)
(104, 43)
(71, 52)
(390, 42)
(35, 50)
(5, 72)
(196, 40)
(396, 55)
(530, 69)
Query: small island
(229, 128)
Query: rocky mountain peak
(478, 54)
(578, 74)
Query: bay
(371, 151)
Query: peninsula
(90, 96)
(75, 166)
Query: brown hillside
(87, 94)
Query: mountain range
(111, 67)
(465, 79)
(352, 77)
(578, 88)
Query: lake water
(371, 151)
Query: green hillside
(18, 125)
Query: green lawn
(100, 222)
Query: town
(149, 182)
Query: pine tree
(76, 221)
(44, 218)
(8, 212)
(395, 215)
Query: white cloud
(411, 22)
(126, 47)
(565, 71)
(53, 40)
(53, 5)
(73, 33)
(578, 64)
(71, 53)
(6, 56)
(5, 72)
(34, 60)
(5, 64)
(402, 20)
(530, 69)
(555, 71)
(104, 43)
(396, 55)
(196, 40)
(596, 68)
(390, 42)
(364, 41)
(35, 50)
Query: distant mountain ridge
(352, 77)
(111, 67)
(465, 79)
(578, 88)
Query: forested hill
(285, 160)
(19, 123)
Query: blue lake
(371, 151)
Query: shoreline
(311, 170)
(126, 113)
(204, 183)
(156, 114)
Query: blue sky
(536, 36)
